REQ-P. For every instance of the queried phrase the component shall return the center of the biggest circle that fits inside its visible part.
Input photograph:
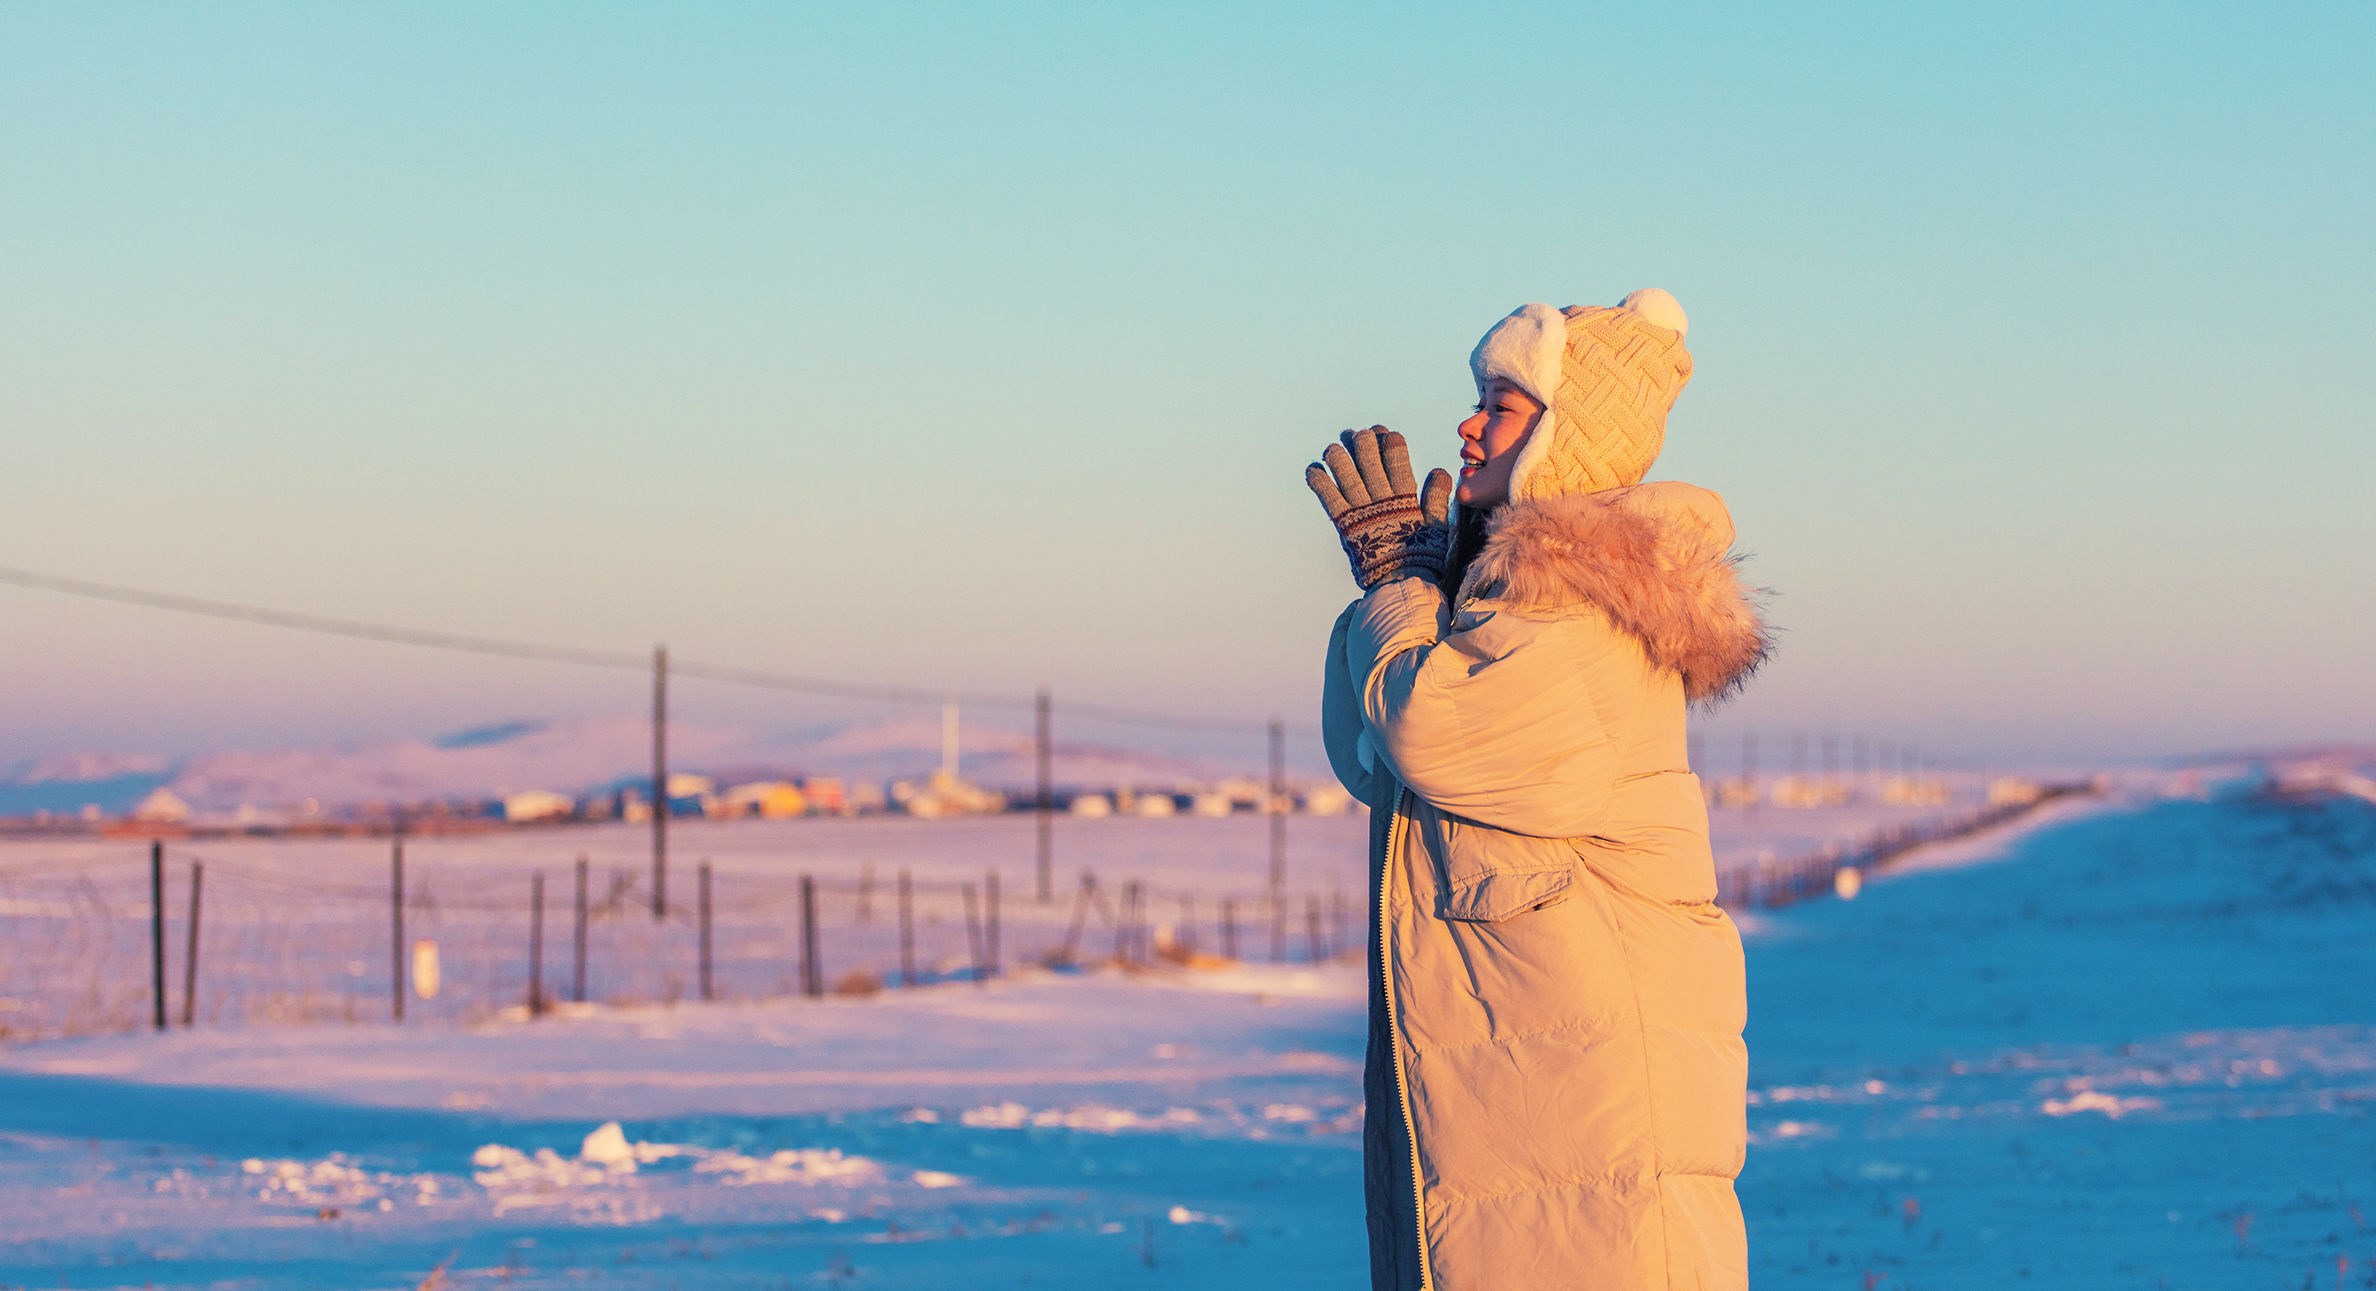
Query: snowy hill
(570, 757)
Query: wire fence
(176, 937)
(1838, 870)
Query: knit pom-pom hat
(1605, 378)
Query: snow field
(2130, 1047)
(2119, 1044)
(1048, 1122)
(300, 929)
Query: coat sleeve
(1362, 771)
(1490, 714)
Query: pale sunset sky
(984, 345)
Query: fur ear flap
(1525, 350)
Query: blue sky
(982, 346)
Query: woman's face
(1489, 444)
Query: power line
(843, 689)
(617, 660)
(323, 623)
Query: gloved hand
(1390, 528)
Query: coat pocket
(1492, 874)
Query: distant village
(939, 795)
(942, 794)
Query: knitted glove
(1389, 527)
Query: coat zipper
(1402, 1093)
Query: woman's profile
(1556, 1074)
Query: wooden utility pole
(659, 783)
(1044, 802)
(1278, 838)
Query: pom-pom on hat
(1605, 377)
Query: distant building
(161, 807)
(1803, 791)
(943, 794)
(1327, 800)
(537, 804)
(826, 795)
(766, 799)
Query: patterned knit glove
(1389, 527)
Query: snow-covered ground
(2121, 1044)
(300, 928)
(2135, 1049)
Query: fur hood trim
(1654, 558)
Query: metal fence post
(812, 973)
(536, 944)
(396, 921)
(190, 951)
(157, 927)
(990, 921)
(705, 930)
(907, 930)
(577, 941)
(973, 931)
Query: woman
(1556, 1075)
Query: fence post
(1319, 947)
(907, 930)
(1080, 918)
(1185, 938)
(577, 943)
(536, 944)
(396, 920)
(866, 894)
(812, 974)
(190, 960)
(973, 931)
(1278, 926)
(1229, 927)
(705, 930)
(990, 921)
(1122, 921)
(157, 927)
(1044, 800)
(1140, 932)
